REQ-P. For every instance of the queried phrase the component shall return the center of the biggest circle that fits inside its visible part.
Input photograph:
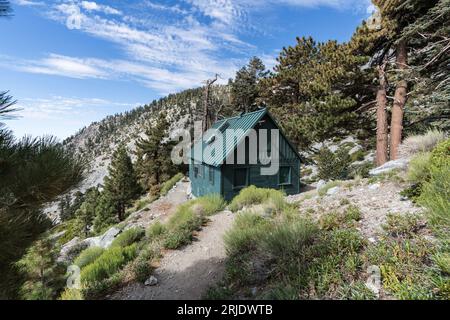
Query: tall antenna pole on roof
(206, 111)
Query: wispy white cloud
(203, 38)
(28, 3)
(59, 65)
(57, 107)
(93, 6)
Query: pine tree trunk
(382, 126)
(399, 102)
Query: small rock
(354, 149)
(152, 281)
(372, 240)
(403, 198)
(332, 191)
(374, 186)
(320, 184)
(254, 290)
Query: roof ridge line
(240, 116)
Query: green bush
(357, 156)
(155, 230)
(442, 259)
(333, 166)
(435, 196)
(141, 267)
(402, 225)
(108, 264)
(335, 219)
(181, 226)
(247, 230)
(71, 294)
(352, 213)
(419, 168)
(128, 237)
(253, 195)
(286, 240)
(210, 204)
(169, 184)
(405, 269)
(88, 256)
(178, 238)
(440, 156)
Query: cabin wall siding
(201, 185)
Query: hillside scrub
(421, 143)
(169, 184)
(333, 166)
(88, 256)
(107, 265)
(189, 218)
(128, 237)
(253, 195)
(290, 256)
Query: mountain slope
(96, 142)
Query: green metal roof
(242, 124)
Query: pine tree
(244, 88)
(86, 213)
(153, 152)
(391, 38)
(105, 215)
(40, 270)
(397, 15)
(121, 183)
(315, 91)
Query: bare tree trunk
(382, 126)
(399, 102)
(206, 114)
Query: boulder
(71, 250)
(103, 241)
(320, 184)
(152, 281)
(389, 166)
(332, 191)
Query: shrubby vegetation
(169, 184)
(253, 195)
(290, 256)
(134, 251)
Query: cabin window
(240, 179)
(269, 143)
(211, 175)
(285, 175)
(195, 171)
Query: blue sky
(71, 62)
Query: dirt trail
(187, 273)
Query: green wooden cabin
(211, 172)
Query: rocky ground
(187, 273)
(375, 201)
